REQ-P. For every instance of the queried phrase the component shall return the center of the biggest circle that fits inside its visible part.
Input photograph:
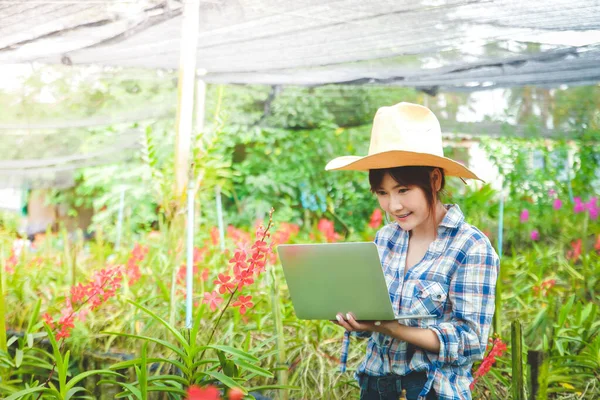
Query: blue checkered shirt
(456, 281)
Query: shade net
(434, 44)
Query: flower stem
(219, 320)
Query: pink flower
(376, 218)
(551, 192)
(557, 204)
(535, 235)
(212, 299)
(525, 215)
(579, 207)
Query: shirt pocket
(429, 297)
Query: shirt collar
(453, 218)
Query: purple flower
(557, 204)
(524, 215)
(535, 235)
(579, 206)
(551, 192)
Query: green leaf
(167, 389)
(34, 317)
(130, 389)
(565, 310)
(18, 357)
(184, 343)
(230, 369)
(29, 340)
(77, 378)
(151, 339)
(197, 319)
(251, 367)
(231, 350)
(141, 372)
(74, 390)
(224, 379)
(131, 363)
(174, 378)
(267, 387)
(23, 393)
(10, 341)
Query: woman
(434, 263)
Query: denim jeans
(390, 387)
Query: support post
(497, 322)
(535, 359)
(185, 92)
(120, 220)
(220, 222)
(516, 335)
(189, 275)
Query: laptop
(330, 278)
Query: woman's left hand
(350, 324)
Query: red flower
(206, 393)
(575, 251)
(597, 245)
(260, 246)
(78, 293)
(215, 235)
(212, 299)
(376, 218)
(226, 284)
(243, 302)
(66, 323)
(204, 276)
(48, 319)
(239, 261)
(244, 279)
(498, 349)
(285, 231)
(326, 227)
(236, 394)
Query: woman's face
(407, 204)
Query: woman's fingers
(343, 323)
(353, 322)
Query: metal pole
(497, 322)
(120, 219)
(570, 185)
(220, 218)
(189, 275)
(186, 86)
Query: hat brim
(398, 158)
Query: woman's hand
(349, 323)
(421, 337)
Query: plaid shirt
(456, 281)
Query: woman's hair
(411, 176)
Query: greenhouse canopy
(429, 44)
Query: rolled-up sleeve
(463, 339)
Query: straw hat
(403, 134)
